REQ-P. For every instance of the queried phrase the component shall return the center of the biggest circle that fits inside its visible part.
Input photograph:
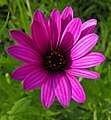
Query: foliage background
(17, 104)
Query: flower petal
(39, 17)
(47, 92)
(21, 72)
(35, 79)
(24, 54)
(83, 46)
(55, 27)
(77, 90)
(21, 38)
(66, 17)
(89, 60)
(62, 89)
(88, 27)
(71, 34)
(39, 37)
(84, 73)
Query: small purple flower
(57, 51)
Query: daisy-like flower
(57, 50)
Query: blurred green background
(18, 104)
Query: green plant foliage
(18, 104)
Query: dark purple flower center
(55, 60)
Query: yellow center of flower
(55, 60)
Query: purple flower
(57, 51)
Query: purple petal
(88, 27)
(55, 27)
(77, 90)
(84, 73)
(62, 89)
(39, 17)
(21, 72)
(83, 46)
(47, 92)
(24, 54)
(21, 38)
(66, 17)
(71, 34)
(90, 60)
(39, 37)
(35, 79)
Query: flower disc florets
(55, 60)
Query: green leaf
(3, 2)
(23, 15)
(4, 117)
(6, 86)
(6, 22)
(20, 106)
(95, 115)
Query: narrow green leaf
(95, 115)
(23, 16)
(6, 22)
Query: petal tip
(11, 31)
(94, 21)
(36, 13)
(24, 86)
(82, 99)
(8, 50)
(46, 106)
(93, 35)
(68, 8)
(55, 12)
(103, 58)
(98, 76)
(65, 103)
(78, 19)
(12, 76)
